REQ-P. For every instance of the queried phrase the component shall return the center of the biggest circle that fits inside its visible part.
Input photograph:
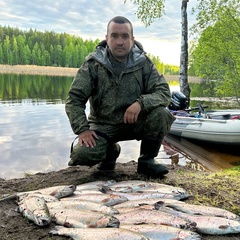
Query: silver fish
(215, 225)
(105, 199)
(129, 209)
(208, 224)
(130, 186)
(142, 216)
(86, 191)
(58, 191)
(202, 210)
(155, 206)
(156, 232)
(142, 194)
(148, 201)
(164, 188)
(98, 233)
(82, 219)
(83, 205)
(94, 185)
(35, 209)
(47, 198)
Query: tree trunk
(183, 77)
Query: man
(128, 100)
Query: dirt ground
(14, 227)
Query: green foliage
(52, 49)
(43, 48)
(148, 10)
(165, 69)
(216, 56)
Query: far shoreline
(63, 71)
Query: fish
(208, 224)
(105, 199)
(98, 233)
(87, 191)
(83, 205)
(47, 198)
(156, 232)
(35, 209)
(138, 185)
(194, 209)
(82, 218)
(129, 209)
(164, 188)
(142, 194)
(147, 201)
(130, 186)
(57, 191)
(94, 185)
(145, 216)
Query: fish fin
(53, 193)
(105, 200)
(104, 189)
(67, 225)
(157, 206)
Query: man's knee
(82, 155)
(158, 121)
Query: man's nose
(120, 41)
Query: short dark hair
(120, 20)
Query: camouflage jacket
(111, 93)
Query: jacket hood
(136, 56)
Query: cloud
(88, 19)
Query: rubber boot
(147, 165)
(108, 164)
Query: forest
(34, 47)
(215, 53)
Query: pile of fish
(124, 210)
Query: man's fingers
(88, 138)
(130, 117)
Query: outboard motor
(178, 101)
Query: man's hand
(87, 138)
(131, 114)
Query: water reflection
(35, 135)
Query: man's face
(120, 40)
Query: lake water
(35, 134)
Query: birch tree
(147, 12)
(183, 76)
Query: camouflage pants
(156, 123)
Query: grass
(218, 189)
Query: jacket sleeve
(156, 89)
(77, 98)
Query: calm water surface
(35, 135)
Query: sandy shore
(38, 70)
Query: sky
(88, 19)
